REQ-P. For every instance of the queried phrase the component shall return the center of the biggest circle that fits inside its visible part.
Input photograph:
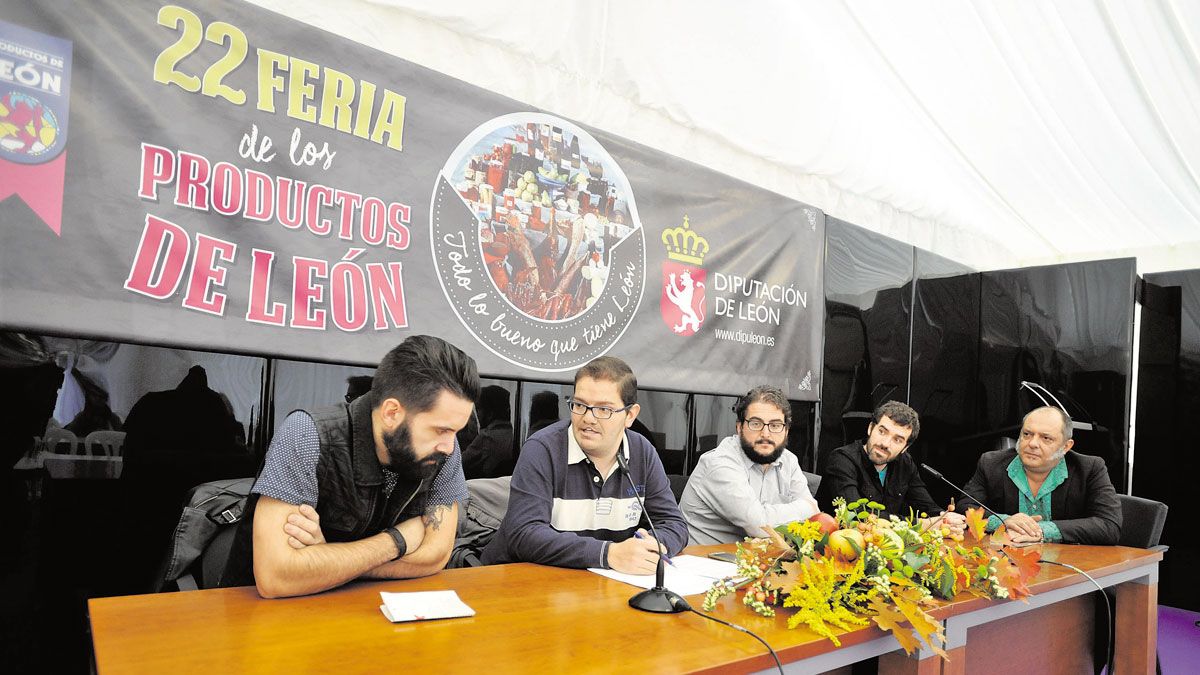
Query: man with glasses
(750, 481)
(880, 469)
(572, 504)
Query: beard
(882, 455)
(757, 457)
(402, 457)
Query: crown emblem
(684, 245)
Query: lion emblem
(681, 296)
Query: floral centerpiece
(857, 567)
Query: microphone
(938, 474)
(1030, 386)
(659, 599)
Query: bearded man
(750, 480)
(880, 469)
(366, 489)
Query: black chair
(678, 483)
(1142, 521)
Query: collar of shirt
(575, 454)
(1056, 477)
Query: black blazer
(849, 473)
(1085, 507)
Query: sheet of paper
(688, 575)
(423, 605)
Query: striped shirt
(563, 512)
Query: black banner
(238, 181)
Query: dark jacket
(351, 502)
(1085, 507)
(849, 473)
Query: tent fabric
(995, 134)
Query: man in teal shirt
(1052, 494)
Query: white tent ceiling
(998, 134)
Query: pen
(639, 536)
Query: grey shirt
(729, 497)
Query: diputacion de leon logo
(537, 241)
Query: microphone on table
(938, 474)
(659, 599)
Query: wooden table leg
(1137, 627)
(956, 664)
(898, 662)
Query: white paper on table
(423, 605)
(688, 575)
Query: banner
(238, 181)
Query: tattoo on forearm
(433, 516)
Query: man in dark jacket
(881, 470)
(1053, 494)
(490, 453)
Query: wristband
(401, 544)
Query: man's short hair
(419, 369)
(612, 369)
(493, 405)
(764, 393)
(543, 406)
(900, 414)
(1067, 428)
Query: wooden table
(1052, 632)
(546, 620)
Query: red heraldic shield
(682, 297)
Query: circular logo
(537, 241)
(28, 129)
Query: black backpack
(201, 541)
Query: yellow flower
(804, 530)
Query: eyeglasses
(600, 412)
(755, 424)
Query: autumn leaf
(1009, 576)
(976, 523)
(1026, 561)
(1000, 536)
(888, 617)
(778, 545)
(908, 601)
(793, 575)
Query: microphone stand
(1030, 386)
(659, 599)
(934, 472)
